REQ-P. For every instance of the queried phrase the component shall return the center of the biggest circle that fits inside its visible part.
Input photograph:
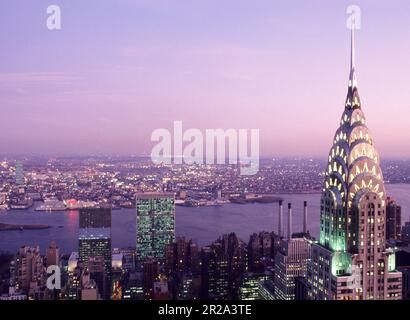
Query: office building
(290, 262)
(351, 260)
(393, 220)
(266, 290)
(155, 224)
(249, 289)
(223, 266)
(53, 255)
(95, 241)
(150, 274)
(19, 173)
(27, 271)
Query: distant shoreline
(9, 227)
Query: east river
(204, 224)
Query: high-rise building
(134, 286)
(95, 240)
(155, 224)
(161, 289)
(405, 232)
(27, 271)
(266, 290)
(72, 289)
(249, 289)
(95, 235)
(403, 265)
(255, 253)
(53, 255)
(128, 258)
(393, 220)
(223, 266)
(89, 289)
(261, 250)
(189, 286)
(96, 270)
(290, 262)
(214, 273)
(351, 260)
(182, 256)
(19, 173)
(194, 259)
(301, 288)
(150, 272)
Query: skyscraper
(150, 272)
(261, 246)
(182, 256)
(53, 255)
(223, 266)
(19, 173)
(27, 270)
(290, 262)
(96, 270)
(351, 260)
(249, 289)
(95, 240)
(393, 220)
(155, 224)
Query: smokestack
(280, 221)
(289, 220)
(305, 217)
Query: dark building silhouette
(393, 220)
(262, 248)
(95, 241)
(150, 274)
(223, 266)
(95, 267)
(182, 256)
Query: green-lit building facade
(155, 224)
(350, 260)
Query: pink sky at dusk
(120, 69)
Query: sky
(120, 69)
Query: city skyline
(162, 224)
(102, 88)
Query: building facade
(27, 270)
(351, 260)
(249, 289)
(95, 235)
(393, 220)
(155, 224)
(290, 262)
(95, 241)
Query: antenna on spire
(352, 53)
(352, 78)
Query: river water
(203, 224)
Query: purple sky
(120, 69)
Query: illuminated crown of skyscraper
(353, 165)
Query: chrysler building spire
(352, 77)
(351, 260)
(352, 48)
